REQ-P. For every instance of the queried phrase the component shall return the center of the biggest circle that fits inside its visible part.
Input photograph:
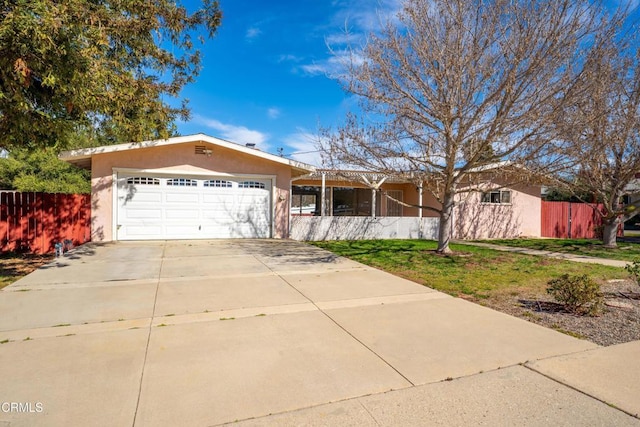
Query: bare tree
(603, 131)
(454, 86)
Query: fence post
(569, 220)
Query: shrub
(634, 270)
(579, 294)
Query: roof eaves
(73, 156)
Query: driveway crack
(146, 350)
(336, 323)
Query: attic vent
(250, 145)
(200, 149)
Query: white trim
(114, 208)
(203, 173)
(274, 200)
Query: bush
(634, 270)
(579, 294)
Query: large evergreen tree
(108, 64)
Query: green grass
(471, 271)
(626, 251)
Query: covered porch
(338, 205)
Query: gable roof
(82, 157)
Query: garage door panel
(218, 198)
(140, 197)
(174, 197)
(150, 208)
(137, 213)
(221, 217)
(148, 231)
(181, 231)
(177, 214)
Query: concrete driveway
(266, 332)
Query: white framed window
(143, 180)
(218, 183)
(251, 184)
(182, 182)
(501, 197)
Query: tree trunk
(446, 224)
(610, 232)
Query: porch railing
(313, 228)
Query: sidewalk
(558, 255)
(559, 391)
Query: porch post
(373, 203)
(420, 200)
(323, 202)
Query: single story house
(201, 187)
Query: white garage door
(182, 207)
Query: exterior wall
(181, 157)
(314, 228)
(521, 218)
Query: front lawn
(471, 271)
(626, 251)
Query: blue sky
(265, 76)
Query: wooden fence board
(571, 220)
(35, 222)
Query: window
(394, 208)
(143, 180)
(251, 184)
(182, 182)
(305, 200)
(351, 201)
(502, 197)
(219, 183)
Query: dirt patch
(618, 323)
(13, 267)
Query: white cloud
(274, 112)
(347, 30)
(252, 33)
(289, 58)
(234, 133)
(320, 68)
(335, 66)
(362, 17)
(303, 147)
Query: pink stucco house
(200, 187)
(188, 187)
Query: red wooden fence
(570, 220)
(35, 222)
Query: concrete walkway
(265, 332)
(549, 254)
